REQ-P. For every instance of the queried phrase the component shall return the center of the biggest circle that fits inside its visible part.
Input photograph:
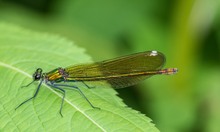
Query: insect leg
(27, 84)
(75, 87)
(82, 82)
(87, 85)
(35, 94)
(54, 86)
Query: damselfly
(119, 72)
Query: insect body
(119, 72)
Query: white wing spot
(153, 53)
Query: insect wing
(119, 72)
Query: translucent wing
(119, 72)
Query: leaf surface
(22, 51)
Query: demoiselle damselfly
(119, 73)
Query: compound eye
(37, 75)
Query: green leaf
(22, 51)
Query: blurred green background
(187, 32)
